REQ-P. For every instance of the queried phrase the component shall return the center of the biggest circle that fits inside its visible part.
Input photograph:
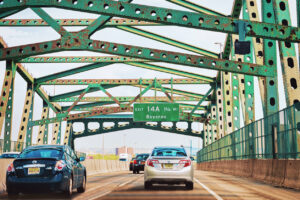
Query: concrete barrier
(92, 167)
(284, 173)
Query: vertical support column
(55, 131)
(249, 80)
(7, 84)
(209, 131)
(29, 128)
(220, 119)
(25, 118)
(227, 93)
(289, 63)
(43, 129)
(6, 104)
(235, 90)
(272, 99)
(67, 133)
(213, 126)
(251, 13)
(58, 140)
(205, 138)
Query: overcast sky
(133, 137)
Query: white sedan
(169, 165)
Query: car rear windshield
(176, 152)
(41, 153)
(142, 157)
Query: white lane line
(102, 185)
(209, 190)
(100, 195)
(121, 185)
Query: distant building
(128, 150)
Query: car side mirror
(81, 159)
(192, 158)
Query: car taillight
(11, 168)
(185, 162)
(60, 165)
(134, 162)
(151, 162)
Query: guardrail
(276, 136)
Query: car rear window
(142, 157)
(176, 152)
(41, 153)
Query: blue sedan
(46, 168)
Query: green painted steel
(71, 22)
(172, 71)
(249, 80)
(58, 140)
(165, 16)
(272, 100)
(168, 41)
(70, 72)
(134, 51)
(11, 67)
(129, 124)
(29, 128)
(155, 112)
(195, 7)
(80, 59)
(284, 125)
(121, 81)
(202, 100)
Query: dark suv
(46, 167)
(139, 162)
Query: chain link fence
(276, 136)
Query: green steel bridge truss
(230, 91)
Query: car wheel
(69, 189)
(81, 189)
(137, 171)
(134, 171)
(147, 185)
(189, 185)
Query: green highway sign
(155, 112)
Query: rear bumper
(154, 175)
(58, 182)
(139, 167)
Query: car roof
(164, 147)
(46, 146)
(142, 154)
(11, 152)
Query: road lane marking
(100, 195)
(107, 192)
(102, 185)
(209, 190)
(121, 185)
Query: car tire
(69, 189)
(137, 171)
(81, 189)
(147, 185)
(189, 185)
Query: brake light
(185, 162)
(11, 168)
(151, 162)
(134, 162)
(60, 165)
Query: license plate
(168, 166)
(33, 170)
(142, 163)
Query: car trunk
(168, 163)
(35, 167)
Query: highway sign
(155, 112)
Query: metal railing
(275, 136)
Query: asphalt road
(207, 185)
